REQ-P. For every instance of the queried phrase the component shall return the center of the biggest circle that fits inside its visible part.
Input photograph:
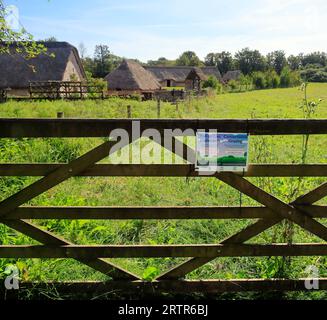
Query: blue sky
(148, 29)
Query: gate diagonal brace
(282, 210)
(53, 179)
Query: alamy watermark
(12, 279)
(312, 280)
(151, 152)
(11, 14)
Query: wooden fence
(3, 95)
(70, 90)
(302, 211)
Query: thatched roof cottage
(232, 75)
(195, 79)
(176, 76)
(60, 63)
(131, 76)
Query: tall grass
(111, 191)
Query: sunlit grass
(124, 191)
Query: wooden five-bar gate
(302, 211)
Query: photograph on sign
(221, 151)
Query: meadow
(125, 191)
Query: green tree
(104, 61)
(277, 60)
(295, 78)
(285, 78)
(294, 62)
(162, 62)
(89, 65)
(259, 80)
(222, 60)
(314, 75)
(189, 58)
(272, 79)
(210, 59)
(249, 61)
(102, 65)
(318, 58)
(245, 81)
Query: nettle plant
(309, 108)
(290, 189)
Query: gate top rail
(74, 128)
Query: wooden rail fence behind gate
(302, 211)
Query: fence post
(129, 112)
(60, 115)
(158, 107)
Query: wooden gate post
(158, 108)
(129, 112)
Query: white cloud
(292, 25)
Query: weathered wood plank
(57, 176)
(179, 271)
(251, 231)
(156, 251)
(164, 170)
(173, 286)
(298, 214)
(54, 178)
(313, 196)
(48, 238)
(20, 128)
(153, 213)
(284, 210)
(242, 236)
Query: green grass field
(122, 191)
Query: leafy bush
(259, 80)
(285, 78)
(289, 78)
(314, 75)
(220, 88)
(295, 79)
(136, 97)
(233, 84)
(272, 79)
(102, 84)
(211, 82)
(246, 81)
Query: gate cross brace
(64, 172)
(54, 178)
(282, 210)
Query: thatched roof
(232, 75)
(196, 73)
(131, 76)
(16, 71)
(212, 71)
(180, 73)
